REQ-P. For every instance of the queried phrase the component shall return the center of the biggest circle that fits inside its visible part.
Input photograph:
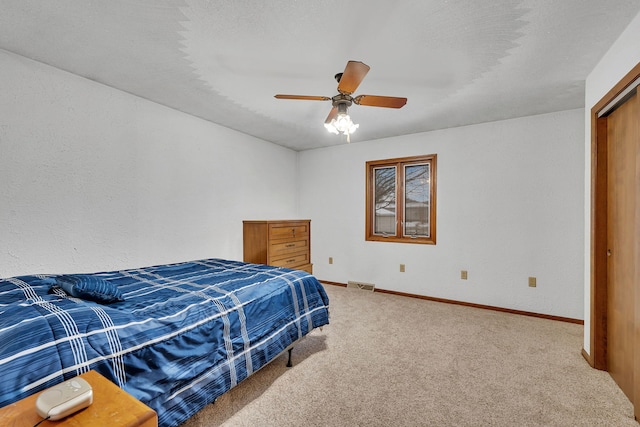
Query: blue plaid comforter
(185, 334)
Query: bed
(175, 336)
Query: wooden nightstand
(111, 406)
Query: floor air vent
(361, 285)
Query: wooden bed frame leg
(289, 364)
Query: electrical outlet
(463, 274)
(532, 282)
(401, 268)
(330, 260)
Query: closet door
(623, 247)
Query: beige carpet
(388, 360)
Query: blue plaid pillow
(92, 288)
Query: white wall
(510, 203)
(623, 55)
(92, 178)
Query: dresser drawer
(291, 260)
(288, 231)
(289, 246)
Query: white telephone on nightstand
(64, 399)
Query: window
(401, 200)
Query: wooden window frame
(399, 164)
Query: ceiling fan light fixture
(342, 123)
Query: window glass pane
(416, 200)
(384, 218)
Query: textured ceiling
(458, 62)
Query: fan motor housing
(342, 101)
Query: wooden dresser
(281, 243)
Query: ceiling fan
(338, 120)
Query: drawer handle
(290, 245)
(291, 260)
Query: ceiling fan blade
(304, 97)
(352, 76)
(380, 101)
(332, 114)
